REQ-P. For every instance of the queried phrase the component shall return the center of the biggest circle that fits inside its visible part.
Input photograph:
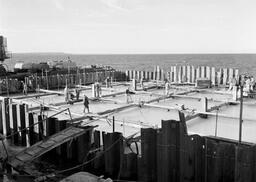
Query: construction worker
(66, 94)
(167, 87)
(77, 92)
(25, 88)
(107, 81)
(86, 103)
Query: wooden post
(188, 74)
(134, 84)
(171, 74)
(158, 73)
(213, 76)
(32, 139)
(180, 75)
(231, 75)
(202, 71)
(93, 90)
(4, 117)
(134, 74)
(162, 75)
(208, 72)
(175, 74)
(193, 74)
(27, 124)
(10, 106)
(237, 74)
(205, 104)
(23, 125)
(241, 114)
(184, 74)
(15, 124)
(225, 76)
(148, 154)
(113, 124)
(113, 156)
(234, 93)
(198, 72)
(219, 77)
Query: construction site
(181, 125)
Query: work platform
(21, 160)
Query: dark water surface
(245, 62)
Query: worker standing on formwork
(66, 94)
(86, 103)
(107, 81)
(128, 95)
(77, 92)
(167, 87)
(97, 89)
(25, 88)
(232, 83)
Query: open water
(245, 62)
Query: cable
(85, 163)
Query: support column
(180, 75)
(219, 77)
(15, 137)
(231, 75)
(134, 84)
(234, 93)
(175, 78)
(158, 73)
(198, 73)
(193, 74)
(213, 76)
(4, 117)
(23, 125)
(225, 76)
(208, 72)
(184, 74)
(1, 117)
(237, 74)
(202, 71)
(188, 74)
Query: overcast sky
(129, 26)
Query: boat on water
(189, 123)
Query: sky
(129, 26)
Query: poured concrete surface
(130, 120)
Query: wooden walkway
(24, 157)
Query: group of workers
(248, 83)
(69, 97)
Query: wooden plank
(214, 164)
(245, 163)
(44, 146)
(1, 118)
(194, 159)
(23, 125)
(148, 154)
